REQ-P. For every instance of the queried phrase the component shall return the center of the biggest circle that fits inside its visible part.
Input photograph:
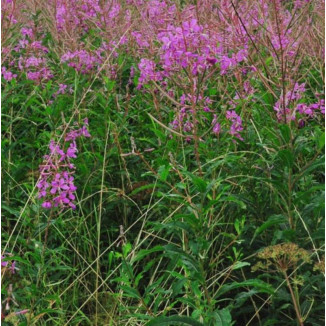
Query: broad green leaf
(259, 285)
(222, 318)
(240, 264)
(145, 252)
(235, 200)
(177, 286)
(272, 220)
(10, 210)
(185, 258)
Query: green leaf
(126, 249)
(142, 188)
(163, 172)
(222, 317)
(177, 286)
(287, 157)
(145, 252)
(259, 285)
(240, 264)
(321, 141)
(272, 220)
(10, 210)
(235, 200)
(286, 133)
(199, 183)
(185, 258)
(173, 320)
(130, 292)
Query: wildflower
(56, 185)
(217, 129)
(236, 125)
(7, 75)
(27, 32)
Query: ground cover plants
(162, 162)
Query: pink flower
(27, 32)
(7, 75)
(217, 129)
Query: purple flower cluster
(63, 88)
(56, 184)
(147, 71)
(30, 58)
(227, 63)
(188, 46)
(311, 109)
(81, 60)
(75, 13)
(158, 12)
(7, 75)
(248, 90)
(284, 111)
(236, 126)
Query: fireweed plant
(56, 183)
(163, 162)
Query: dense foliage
(163, 162)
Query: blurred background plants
(200, 193)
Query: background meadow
(163, 162)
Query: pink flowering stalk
(29, 57)
(56, 184)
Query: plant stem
(295, 303)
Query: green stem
(295, 302)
